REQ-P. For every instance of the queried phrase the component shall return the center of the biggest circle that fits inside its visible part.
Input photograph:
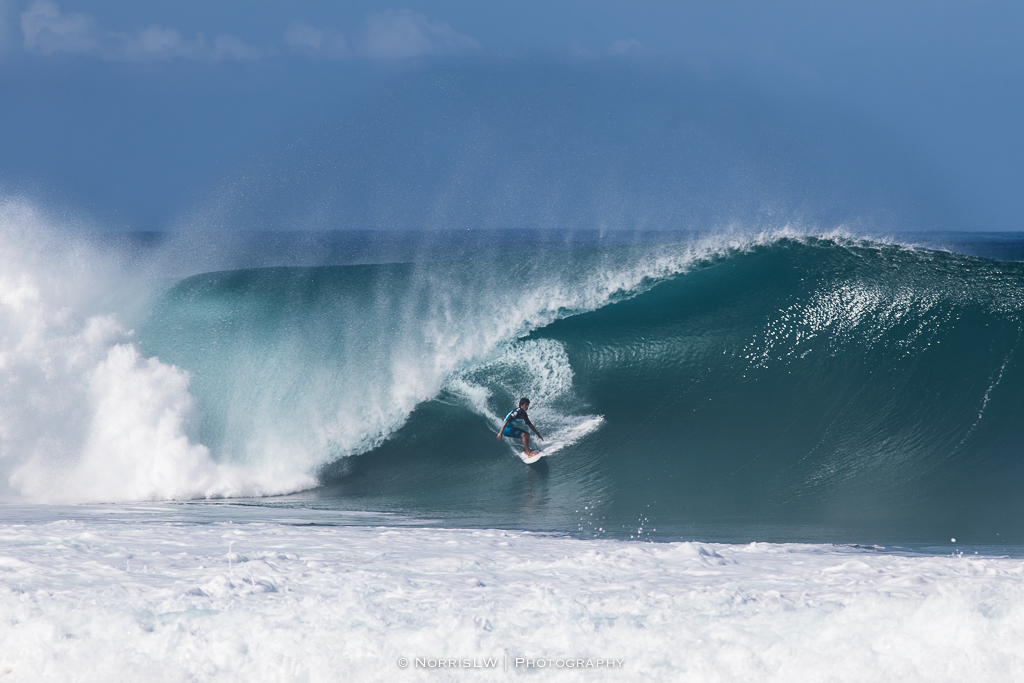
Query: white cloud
(157, 42)
(327, 42)
(394, 34)
(404, 33)
(47, 30)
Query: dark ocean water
(770, 387)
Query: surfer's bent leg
(526, 443)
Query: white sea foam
(83, 416)
(568, 434)
(226, 593)
(537, 367)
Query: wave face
(806, 382)
(771, 386)
(809, 381)
(815, 381)
(317, 363)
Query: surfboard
(531, 459)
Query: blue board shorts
(513, 432)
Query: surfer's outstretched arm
(501, 429)
(530, 425)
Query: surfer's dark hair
(524, 400)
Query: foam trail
(538, 369)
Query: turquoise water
(774, 387)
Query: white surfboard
(531, 459)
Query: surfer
(511, 427)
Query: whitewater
(226, 593)
(788, 454)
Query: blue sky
(136, 114)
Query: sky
(142, 116)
